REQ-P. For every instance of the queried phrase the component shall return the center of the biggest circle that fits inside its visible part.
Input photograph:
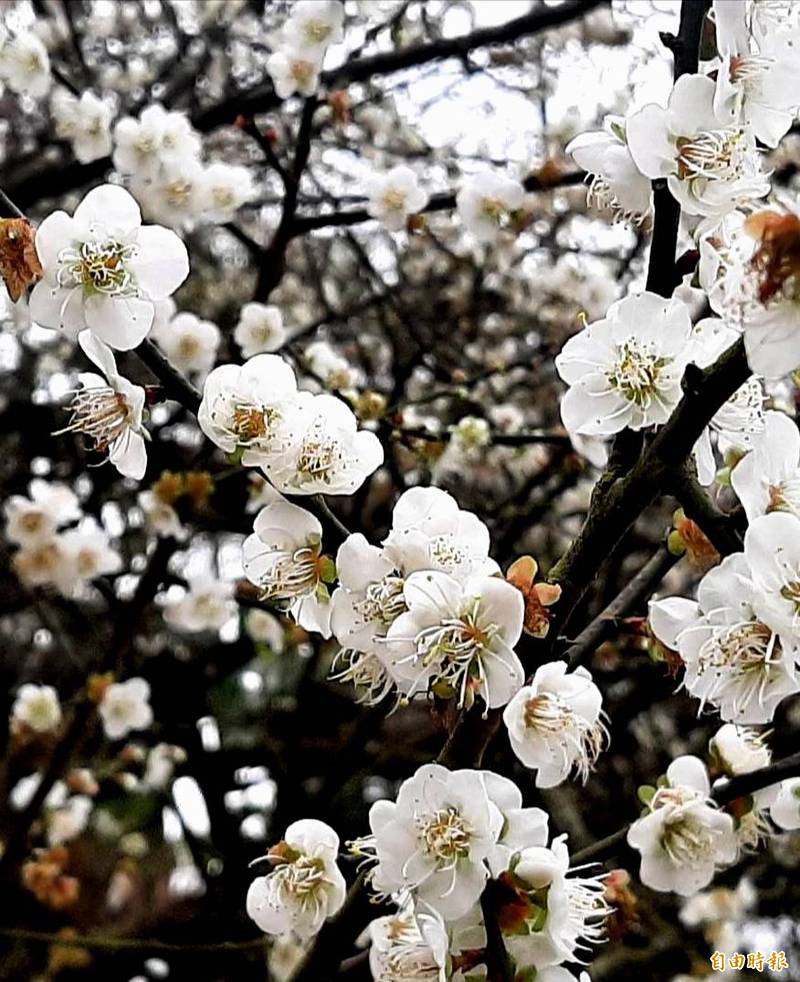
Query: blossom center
(444, 836)
(99, 267)
(316, 31)
(302, 877)
(687, 840)
(251, 423)
(637, 373)
(383, 601)
(100, 413)
(293, 574)
(302, 71)
(711, 154)
(32, 521)
(394, 199)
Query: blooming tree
(402, 540)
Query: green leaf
(645, 793)
(327, 569)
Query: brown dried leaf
(19, 263)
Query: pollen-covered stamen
(785, 496)
(302, 71)
(444, 835)
(719, 155)
(494, 209)
(293, 573)
(447, 554)
(749, 647)
(365, 672)
(383, 602)
(601, 195)
(748, 68)
(317, 31)
(394, 199)
(250, 423)
(99, 267)
(456, 646)
(319, 455)
(687, 840)
(579, 740)
(639, 372)
(101, 413)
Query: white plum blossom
(109, 410)
(293, 72)
(487, 202)
(25, 64)
(225, 188)
(265, 628)
(626, 369)
(190, 343)
(565, 911)
(283, 557)
(259, 329)
(430, 531)
(615, 182)
(785, 810)
(37, 707)
(125, 707)
(88, 554)
(207, 605)
(734, 660)
(457, 637)
(409, 946)
(363, 607)
(175, 194)
(768, 478)
(313, 25)
(436, 839)
(332, 456)
(394, 196)
(739, 749)
(555, 724)
(42, 563)
(683, 838)
(328, 365)
(35, 519)
(103, 269)
(85, 122)
(710, 165)
(305, 886)
(470, 435)
(255, 408)
(156, 138)
(772, 547)
(757, 85)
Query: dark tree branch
(736, 787)
(604, 625)
(445, 201)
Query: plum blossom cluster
(740, 640)
(432, 852)
(296, 62)
(624, 371)
(58, 547)
(304, 443)
(425, 611)
(159, 154)
(705, 144)
(683, 835)
(448, 835)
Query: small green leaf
(327, 569)
(645, 793)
